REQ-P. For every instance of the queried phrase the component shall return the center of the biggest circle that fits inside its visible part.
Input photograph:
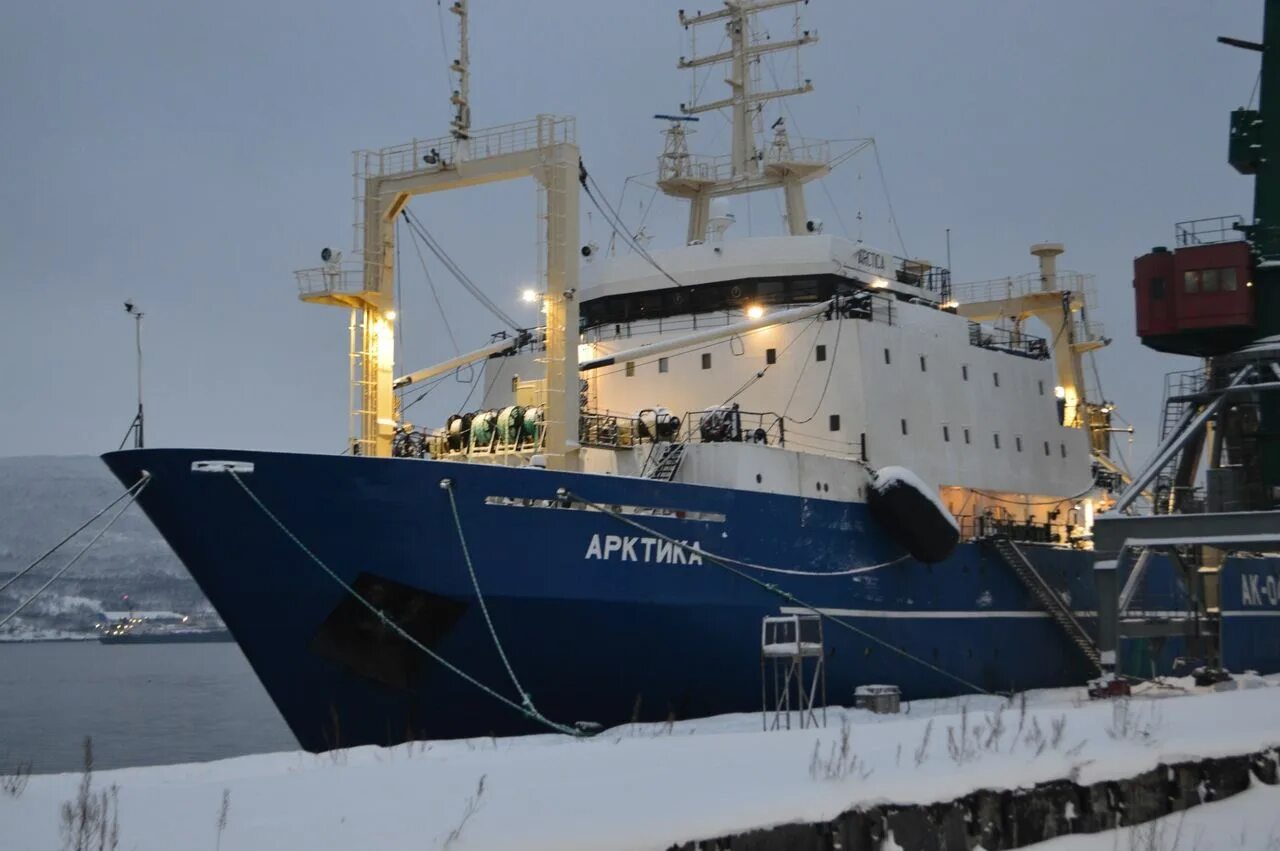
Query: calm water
(142, 704)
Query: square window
(706, 360)
(1062, 449)
(904, 426)
(1017, 442)
(946, 434)
(1191, 282)
(886, 356)
(834, 422)
(923, 366)
(1046, 447)
(1228, 277)
(631, 368)
(820, 353)
(515, 383)
(964, 371)
(966, 436)
(1209, 281)
(1041, 384)
(770, 356)
(663, 364)
(997, 439)
(996, 376)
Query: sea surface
(142, 704)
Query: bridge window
(904, 426)
(964, 371)
(966, 436)
(1017, 442)
(923, 366)
(886, 356)
(1191, 281)
(820, 353)
(770, 356)
(997, 439)
(834, 422)
(946, 434)
(1209, 281)
(706, 360)
(1228, 279)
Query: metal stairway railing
(1048, 599)
(669, 463)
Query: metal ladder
(1049, 599)
(668, 463)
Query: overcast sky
(191, 155)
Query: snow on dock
(651, 786)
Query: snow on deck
(648, 786)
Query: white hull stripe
(921, 614)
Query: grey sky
(190, 156)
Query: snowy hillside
(44, 498)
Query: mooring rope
(447, 486)
(83, 526)
(132, 494)
(395, 627)
(726, 563)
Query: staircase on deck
(1048, 599)
(668, 462)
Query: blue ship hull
(599, 624)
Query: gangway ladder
(668, 462)
(1048, 599)
(793, 673)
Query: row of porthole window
(820, 354)
(834, 424)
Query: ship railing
(799, 150)
(1004, 340)
(729, 424)
(331, 278)
(1208, 231)
(711, 169)
(1007, 289)
(610, 430)
(1021, 531)
(443, 151)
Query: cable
(388, 622)
(435, 296)
(55, 547)
(615, 221)
(759, 375)
(141, 485)
(725, 562)
(893, 217)
(434, 246)
(826, 384)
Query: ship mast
(783, 165)
(544, 148)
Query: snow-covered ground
(648, 786)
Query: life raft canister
(912, 514)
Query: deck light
(391, 314)
(529, 296)
(1060, 392)
(754, 311)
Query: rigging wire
(826, 384)
(893, 217)
(416, 226)
(435, 295)
(759, 375)
(726, 563)
(615, 221)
